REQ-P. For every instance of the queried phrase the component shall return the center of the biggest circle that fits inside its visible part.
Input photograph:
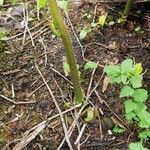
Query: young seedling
(131, 76)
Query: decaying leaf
(105, 84)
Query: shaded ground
(21, 82)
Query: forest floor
(31, 49)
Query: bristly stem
(127, 8)
(65, 36)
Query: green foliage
(63, 4)
(41, 4)
(3, 34)
(117, 129)
(1, 2)
(130, 75)
(90, 65)
(67, 69)
(84, 32)
(144, 135)
(136, 146)
(90, 113)
(102, 20)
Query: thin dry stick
(57, 106)
(25, 13)
(44, 30)
(96, 85)
(90, 84)
(45, 50)
(62, 95)
(13, 91)
(17, 103)
(68, 18)
(61, 75)
(19, 34)
(80, 134)
(70, 131)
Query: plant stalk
(65, 36)
(127, 8)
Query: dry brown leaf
(105, 83)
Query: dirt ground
(24, 98)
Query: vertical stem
(59, 23)
(127, 8)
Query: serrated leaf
(112, 70)
(102, 20)
(124, 78)
(41, 4)
(136, 81)
(126, 91)
(63, 4)
(144, 135)
(130, 116)
(137, 69)
(136, 146)
(130, 106)
(90, 65)
(144, 117)
(126, 65)
(140, 95)
(84, 32)
(116, 79)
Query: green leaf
(1, 2)
(116, 79)
(136, 81)
(54, 29)
(140, 95)
(84, 32)
(112, 70)
(136, 146)
(126, 66)
(130, 116)
(41, 4)
(137, 70)
(144, 117)
(90, 65)
(144, 135)
(3, 34)
(63, 4)
(124, 78)
(102, 20)
(117, 129)
(66, 69)
(130, 106)
(90, 114)
(126, 91)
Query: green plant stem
(59, 23)
(127, 8)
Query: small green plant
(117, 129)
(137, 146)
(3, 34)
(131, 76)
